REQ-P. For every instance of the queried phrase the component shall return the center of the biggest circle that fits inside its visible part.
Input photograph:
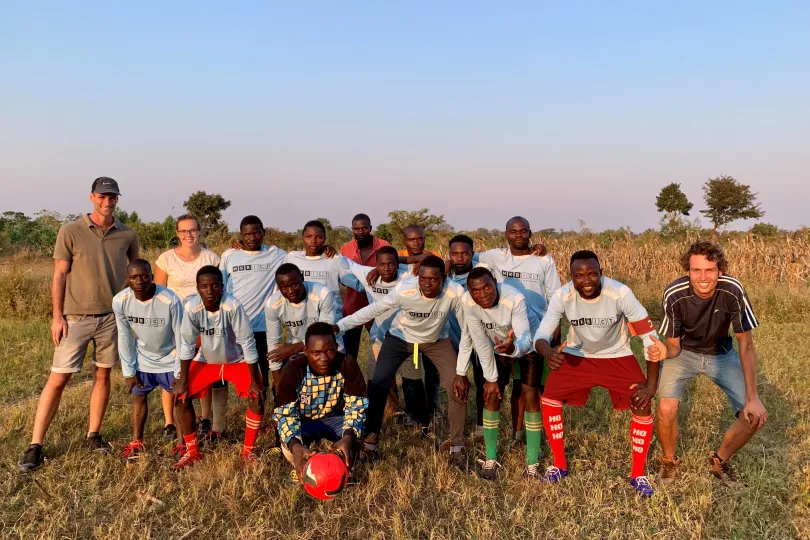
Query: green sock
(534, 426)
(491, 421)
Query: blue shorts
(724, 370)
(150, 381)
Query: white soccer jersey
(535, 277)
(484, 325)
(328, 272)
(226, 336)
(599, 327)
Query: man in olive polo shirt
(90, 266)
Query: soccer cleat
(459, 460)
(642, 486)
(187, 460)
(94, 443)
(531, 472)
(179, 449)
(554, 474)
(668, 470)
(488, 469)
(132, 451)
(31, 459)
(169, 431)
(723, 471)
(203, 428)
(249, 456)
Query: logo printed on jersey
(303, 322)
(150, 322)
(596, 322)
(220, 332)
(379, 290)
(492, 327)
(526, 277)
(430, 315)
(315, 274)
(263, 267)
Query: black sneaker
(94, 443)
(31, 459)
(203, 428)
(170, 432)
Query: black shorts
(531, 370)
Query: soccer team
(275, 326)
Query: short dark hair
(139, 262)
(209, 270)
(480, 272)
(432, 261)
(464, 239)
(288, 268)
(184, 217)
(412, 226)
(388, 250)
(359, 217)
(314, 223)
(518, 218)
(250, 220)
(712, 252)
(584, 255)
(319, 329)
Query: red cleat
(187, 460)
(179, 449)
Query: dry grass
(412, 494)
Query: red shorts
(202, 375)
(572, 382)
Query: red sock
(641, 428)
(553, 422)
(191, 443)
(252, 423)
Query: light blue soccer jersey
(599, 327)
(535, 277)
(484, 325)
(156, 327)
(251, 277)
(375, 292)
(328, 272)
(226, 336)
(420, 319)
(317, 306)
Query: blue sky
(479, 111)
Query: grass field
(412, 494)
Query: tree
(208, 209)
(765, 230)
(400, 219)
(383, 232)
(674, 203)
(727, 200)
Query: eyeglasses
(189, 232)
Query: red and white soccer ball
(325, 475)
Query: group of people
(276, 326)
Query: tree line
(726, 200)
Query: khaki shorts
(68, 357)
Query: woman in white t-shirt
(176, 269)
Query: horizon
(569, 112)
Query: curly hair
(711, 251)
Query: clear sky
(479, 111)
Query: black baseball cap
(105, 184)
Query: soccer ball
(325, 475)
